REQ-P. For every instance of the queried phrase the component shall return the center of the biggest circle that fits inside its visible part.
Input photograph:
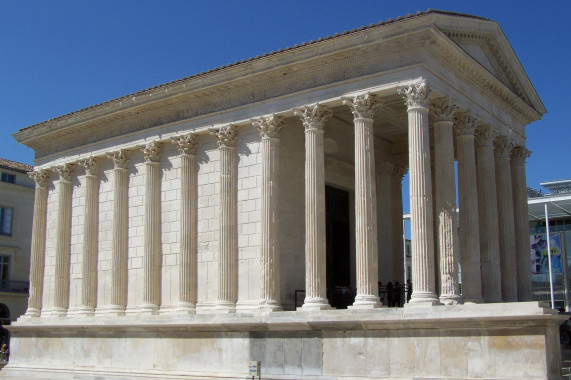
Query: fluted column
(90, 237)
(63, 241)
(152, 239)
(120, 232)
(399, 172)
(508, 261)
(519, 186)
(363, 109)
(422, 229)
(188, 269)
(469, 217)
(38, 249)
(228, 256)
(488, 212)
(313, 119)
(269, 129)
(442, 112)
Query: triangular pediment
(492, 51)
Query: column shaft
(488, 212)
(506, 219)
(422, 229)
(269, 129)
(366, 215)
(63, 241)
(38, 249)
(445, 203)
(469, 218)
(228, 254)
(90, 237)
(119, 236)
(189, 232)
(519, 185)
(152, 239)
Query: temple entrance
(339, 290)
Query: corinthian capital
(442, 109)
(65, 171)
(485, 135)
(416, 95)
(503, 146)
(226, 135)
(120, 159)
(90, 164)
(363, 106)
(313, 117)
(269, 127)
(186, 144)
(518, 155)
(464, 124)
(41, 177)
(152, 152)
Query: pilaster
(228, 261)
(63, 242)
(38, 249)
(508, 262)
(469, 217)
(488, 213)
(422, 228)
(152, 238)
(313, 119)
(90, 237)
(363, 109)
(519, 186)
(188, 269)
(442, 113)
(269, 129)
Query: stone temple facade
(174, 227)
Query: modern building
(174, 227)
(16, 213)
(551, 285)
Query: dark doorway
(339, 290)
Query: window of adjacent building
(6, 220)
(7, 177)
(4, 271)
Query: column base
(59, 312)
(315, 303)
(270, 306)
(366, 302)
(423, 299)
(185, 308)
(225, 307)
(149, 308)
(116, 310)
(89, 311)
(32, 313)
(451, 299)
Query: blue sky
(60, 56)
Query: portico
(200, 205)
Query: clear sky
(60, 56)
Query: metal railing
(15, 286)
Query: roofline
(244, 61)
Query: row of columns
(478, 231)
(493, 207)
